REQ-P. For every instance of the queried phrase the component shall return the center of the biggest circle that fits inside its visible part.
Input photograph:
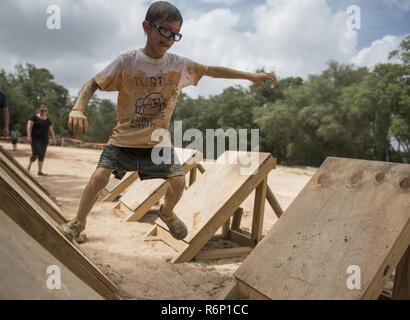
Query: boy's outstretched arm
(227, 73)
(77, 121)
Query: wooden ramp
(21, 212)
(36, 192)
(115, 187)
(210, 203)
(24, 267)
(143, 195)
(352, 215)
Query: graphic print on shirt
(149, 109)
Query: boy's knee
(100, 178)
(178, 183)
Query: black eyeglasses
(165, 32)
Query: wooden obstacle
(24, 267)
(353, 216)
(36, 192)
(143, 195)
(20, 211)
(188, 157)
(210, 203)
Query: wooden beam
(192, 176)
(236, 219)
(119, 186)
(226, 228)
(258, 213)
(223, 253)
(401, 289)
(239, 238)
(274, 203)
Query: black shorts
(147, 162)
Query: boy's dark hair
(163, 11)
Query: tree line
(345, 111)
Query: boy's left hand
(260, 78)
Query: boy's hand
(260, 78)
(77, 122)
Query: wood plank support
(258, 212)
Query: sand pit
(142, 270)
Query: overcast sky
(292, 37)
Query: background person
(38, 129)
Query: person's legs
(97, 183)
(42, 154)
(34, 154)
(173, 194)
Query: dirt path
(141, 270)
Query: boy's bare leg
(97, 183)
(173, 194)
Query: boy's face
(156, 40)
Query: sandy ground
(142, 270)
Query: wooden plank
(231, 292)
(226, 228)
(351, 213)
(223, 253)
(24, 266)
(204, 217)
(115, 187)
(165, 236)
(401, 289)
(274, 203)
(236, 219)
(17, 204)
(258, 212)
(35, 192)
(142, 196)
(239, 238)
(192, 176)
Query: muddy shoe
(72, 229)
(81, 238)
(176, 227)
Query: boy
(149, 81)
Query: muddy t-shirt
(148, 90)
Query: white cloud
(377, 52)
(292, 37)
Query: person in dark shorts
(4, 107)
(38, 129)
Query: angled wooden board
(352, 215)
(31, 187)
(210, 202)
(25, 269)
(32, 218)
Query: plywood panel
(23, 268)
(351, 213)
